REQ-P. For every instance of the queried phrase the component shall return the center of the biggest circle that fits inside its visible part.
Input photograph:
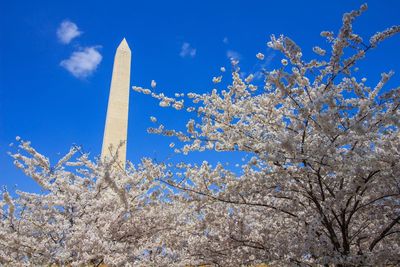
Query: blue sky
(180, 44)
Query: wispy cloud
(269, 59)
(84, 62)
(225, 40)
(67, 31)
(264, 65)
(231, 54)
(187, 50)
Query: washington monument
(116, 129)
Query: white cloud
(231, 54)
(83, 63)
(67, 31)
(225, 40)
(187, 50)
(269, 58)
(267, 61)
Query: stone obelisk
(116, 129)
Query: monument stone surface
(116, 128)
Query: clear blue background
(41, 102)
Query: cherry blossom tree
(322, 185)
(88, 213)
